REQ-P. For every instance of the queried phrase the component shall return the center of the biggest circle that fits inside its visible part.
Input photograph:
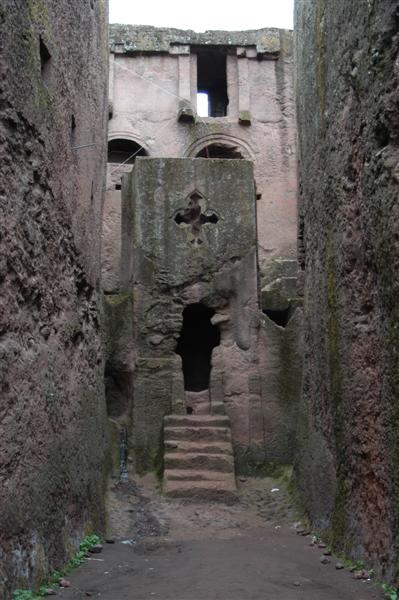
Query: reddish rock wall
(347, 101)
(52, 412)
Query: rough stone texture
(280, 360)
(347, 90)
(52, 414)
(111, 242)
(119, 366)
(158, 69)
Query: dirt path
(174, 551)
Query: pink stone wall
(145, 92)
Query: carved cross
(193, 217)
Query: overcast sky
(204, 14)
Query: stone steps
(220, 434)
(196, 420)
(218, 408)
(198, 458)
(203, 491)
(196, 475)
(190, 460)
(198, 446)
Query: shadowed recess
(280, 317)
(197, 339)
(219, 151)
(124, 151)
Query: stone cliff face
(52, 414)
(347, 110)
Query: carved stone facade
(186, 333)
(207, 235)
(206, 268)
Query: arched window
(121, 152)
(220, 150)
(124, 151)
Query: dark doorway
(212, 80)
(280, 317)
(117, 390)
(197, 340)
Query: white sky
(200, 15)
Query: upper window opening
(212, 80)
(124, 151)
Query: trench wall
(53, 57)
(347, 111)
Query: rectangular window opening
(212, 81)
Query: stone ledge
(127, 39)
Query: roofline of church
(130, 39)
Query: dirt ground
(171, 550)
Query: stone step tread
(198, 475)
(204, 455)
(202, 491)
(187, 485)
(218, 408)
(197, 420)
(203, 433)
(199, 447)
(215, 462)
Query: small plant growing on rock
(25, 595)
(390, 591)
(76, 560)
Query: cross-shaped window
(192, 216)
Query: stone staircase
(198, 458)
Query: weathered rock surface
(347, 91)
(52, 412)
